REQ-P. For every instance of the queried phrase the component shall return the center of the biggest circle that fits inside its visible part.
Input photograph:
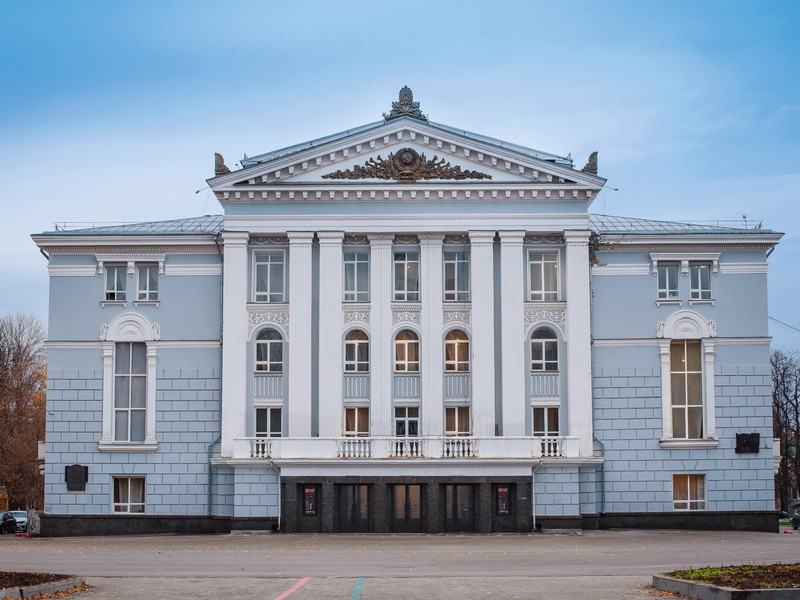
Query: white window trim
(360, 252)
(269, 407)
(254, 276)
(688, 325)
(456, 291)
(405, 291)
(143, 503)
(359, 432)
(547, 406)
(529, 290)
(705, 493)
(684, 258)
(128, 327)
(147, 302)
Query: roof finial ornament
(219, 165)
(591, 164)
(405, 107)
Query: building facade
(407, 327)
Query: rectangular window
(129, 494)
(667, 281)
(686, 372)
(700, 276)
(406, 421)
(545, 421)
(147, 289)
(456, 276)
(268, 422)
(356, 421)
(270, 276)
(406, 276)
(356, 277)
(116, 284)
(456, 420)
(689, 492)
(130, 391)
(542, 276)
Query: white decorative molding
(456, 316)
(683, 258)
(743, 268)
(405, 316)
(686, 324)
(278, 317)
(130, 327)
(356, 316)
(72, 270)
(621, 269)
(130, 260)
(187, 270)
(551, 314)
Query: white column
(710, 430)
(512, 328)
(482, 315)
(330, 333)
(108, 393)
(299, 402)
(666, 390)
(150, 415)
(234, 336)
(431, 342)
(579, 347)
(381, 351)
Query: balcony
(356, 387)
(421, 448)
(456, 386)
(545, 386)
(406, 387)
(268, 385)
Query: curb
(44, 588)
(707, 591)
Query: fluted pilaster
(432, 344)
(512, 329)
(381, 414)
(299, 403)
(330, 333)
(482, 315)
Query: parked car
(796, 520)
(8, 524)
(22, 520)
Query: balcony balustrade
(457, 386)
(356, 387)
(268, 385)
(545, 385)
(406, 387)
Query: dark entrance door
(353, 508)
(407, 508)
(459, 508)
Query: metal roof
(207, 224)
(630, 225)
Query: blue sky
(111, 111)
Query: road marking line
(294, 588)
(357, 589)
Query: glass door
(407, 508)
(353, 508)
(459, 508)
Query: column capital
(515, 238)
(330, 238)
(577, 237)
(481, 237)
(300, 238)
(380, 239)
(431, 239)
(235, 238)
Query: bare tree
(23, 374)
(786, 423)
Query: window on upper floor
(270, 276)
(147, 286)
(689, 491)
(456, 276)
(545, 421)
(456, 351)
(130, 391)
(686, 378)
(128, 495)
(544, 350)
(116, 283)
(406, 276)
(668, 281)
(456, 420)
(356, 352)
(543, 279)
(269, 351)
(700, 281)
(406, 421)
(356, 421)
(269, 421)
(356, 276)
(406, 352)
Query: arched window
(356, 352)
(544, 351)
(456, 351)
(269, 351)
(406, 352)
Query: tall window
(406, 276)
(268, 422)
(147, 289)
(542, 276)
(270, 276)
(129, 494)
(456, 351)
(406, 421)
(667, 281)
(544, 351)
(689, 492)
(406, 352)
(116, 284)
(356, 352)
(545, 421)
(356, 277)
(700, 277)
(456, 276)
(456, 420)
(269, 351)
(130, 391)
(687, 389)
(356, 421)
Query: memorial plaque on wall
(76, 476)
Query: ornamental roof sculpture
(591, 164)
(405, 107)
(406, 165)
(219, 165)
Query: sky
(111, 111)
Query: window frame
(461, 354)
(269, 344)
(280, 297)
(360, 421)
(406, 344)
(665, 293)
(118, 292)
(356, 295)
(150, 294)
(119, 506)
(681, 387)
(407, 419)
(547, 410)
(544, 294)
(460, 261)
(700, 498)
(125, 373)
(273, 414)
(409, 266)
(697, 291)
(543, 344)
(353, 362)
(461, 413)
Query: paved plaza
(598, 564)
